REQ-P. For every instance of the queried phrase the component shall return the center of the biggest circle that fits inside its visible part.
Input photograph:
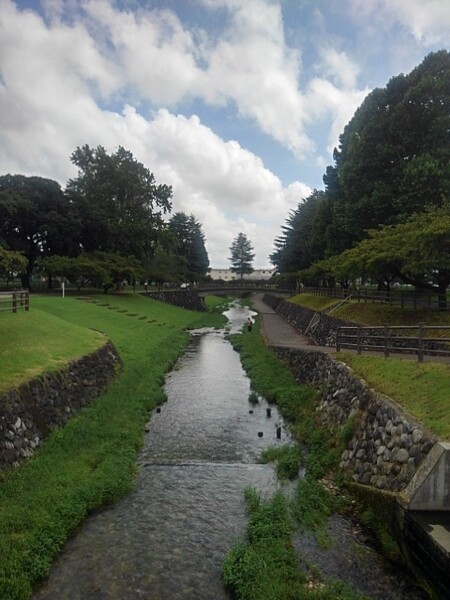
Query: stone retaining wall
(188, 299)
(322, 332)
(322, 328)
(386, 445)
(30, 412)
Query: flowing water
(167, 539)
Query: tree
(11, 263)
(394, 154)
(392, 162)
(241, 255)
(36, 219)
(189, 246)
(416, 252)
(120, 204)
(302, 240)
(100, 269)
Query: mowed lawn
(92, 460)
(422, 389)
(35, 342)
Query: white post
(62, 289)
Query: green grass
(314, 302)
(257, 567)
(288, 460)
(35, 342)
(91, 461)
(264, 567)
(373, 313)
(422, 389)
(216, 303)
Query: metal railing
(15, 300)
(389, 340)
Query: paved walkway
(277, 332)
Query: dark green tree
(189, 246)
(416, 252)
(302, 241)
(394, 154)
(36, 219)
(11, 263)
(241, 255)
(120, 204)
(100, 269)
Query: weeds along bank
(338, 441)
(91, 460)
(264, 565)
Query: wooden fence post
(358, 340)
(338, 339)
(14, 302)
(420, 343)
(386, 341)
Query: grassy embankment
(264, 565)
(91, 461)
(420, 388)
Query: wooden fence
(402, 298)
(15, 300)
(420, 340)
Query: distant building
(228, 275)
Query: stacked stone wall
(30, 412)
(386, 445)
(321, 328)
(187, 299)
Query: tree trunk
(25, 279)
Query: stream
(167, 539)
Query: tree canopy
(36, 219)
(120, 204)
(106, 226)
(393, 162)
(189, 246)
(415, 252)
(241, 255)
(11, 262)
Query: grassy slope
(37, 341)
(264, 566)
(422, 389)
(91, 461)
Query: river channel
(167, 539)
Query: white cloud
(88, 73)
(219, 182)
(427, 20)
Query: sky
(237, 104)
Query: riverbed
(167, 539)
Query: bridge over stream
(238, 287)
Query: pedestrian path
(278, 332)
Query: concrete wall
(30, 412)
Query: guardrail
(15, 300)
(386, 339)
